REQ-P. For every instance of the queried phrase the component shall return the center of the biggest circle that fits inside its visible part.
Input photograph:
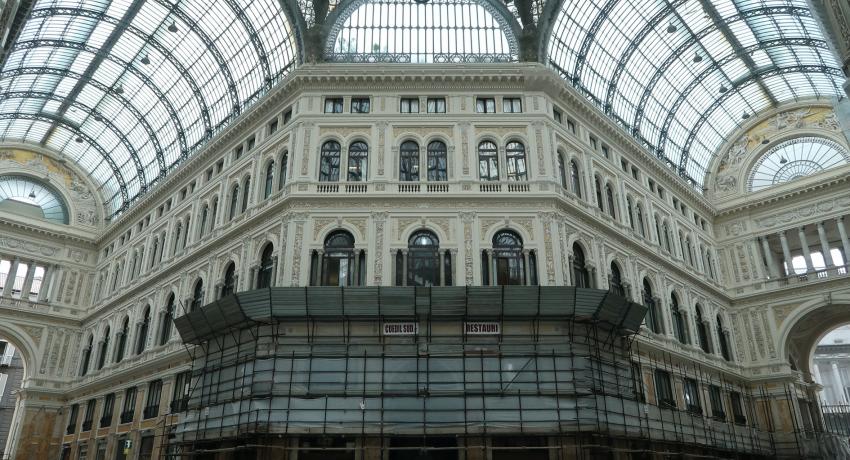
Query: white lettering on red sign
(482, 328)
(401, 328)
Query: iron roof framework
(682, 75)
(130, 88)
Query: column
(320, 259)
(25, 289)
(355, 280)
(844, 241)
(404, 267)
(442, 267)
(839, 389)
(45, 283)
(768, 255)
(801, 232)
(527, 265)
(53, 293)
(824, 245)
(789, 267)
(10, 278)
(493, 277)
(273, 281)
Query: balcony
(150, 412)
(127, 416)
(86, 425)
(106, 421)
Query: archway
(15, 368)
(804, 328)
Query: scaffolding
(313, 370)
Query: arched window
(358, 161)
(185, 233)
(197, 295)
(264, 274)
(203, 223)
(562, 170)
(234, 201)
(155, 247)
(284, 160)
(639, 216)
(598, 186)
(438, 169)
(122, 340)
(104, 346)
(609, 196)
(631, 213)
(709, 265)
(649, 302)
(581, 277)
(488, 161)
(515, 156)
(246, 193)
(30, 197)
(329, 162)
(214, 212)
(678, 320)
(508, 258)
(724, 340)
(575, 178)
(116, 276)
(229, 284)
(167, 320)
(269, 185)
(666, 231)
(687, 250)
(144, 327)
(84, 369)
(408, 167)
(702, 330)
(616, 281)
(423, 259)
(335, 267)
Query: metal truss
(122, 186)
(814, 69)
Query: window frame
(360, 105)
(408, 105)
(436, 102)
(335, 104)
(485, 105)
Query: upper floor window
(609, 196)
(246, 194)
(509, 262)
(197, 295)
(571, 125)
(28, 197)
(512, 105)
(360, 105)
(664, 389)
(329, 162)
(436, 105)
(723, 338)
(485, 105)
(228, 286)
(409, 105)
(702, 330)
(678, 319)
(266, 269)
(268, 188)
(616, 281)
(336, 264)
(281, 180)
(562, 173)
(598, 186)
(234, 201)
(581, 276)
(790, 160)
(409, 162)
(333, 105)
(515, 156)
(575, 178)
(84, 368)
(488, 161)
(144, 327)
(649, 302)
(358, 161)
(122, 340)
(153, 399)
(437, 161)
(556, 114)
(104, 347)
(167, 320)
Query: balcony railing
(105, 421)
(86, 425)
(127, 416)
(150, 412)
(815, 275)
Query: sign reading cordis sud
(400, 328)
(482, 328)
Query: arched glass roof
(794, 159)
(33, 194)
(408, 31)
(680, 75)
(129, 88)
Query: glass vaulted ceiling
(680, 75)
(127, 89)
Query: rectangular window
(89, 417)
(594, 144)
(209, 174)
(273, 126)
(651, 185)
(409, 105)
(108, 408)
(436, 105)
(716, 403)
(128, 410)
(737, 408)
(692, 400)
(606, 152)
(101, 451)
(252, 141)
(83, 452)
(485, 105)
(664, 389)
(625, 165)
(511, 105)
(635, 173)
(145, 448)
(571, 125)
(237, 153)
(661, 193)
(153, 399)
(180, 400)
(637, 376)
(287, 116)
(72, 419)
(360, 105)
(333, 105)
(556, 114)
